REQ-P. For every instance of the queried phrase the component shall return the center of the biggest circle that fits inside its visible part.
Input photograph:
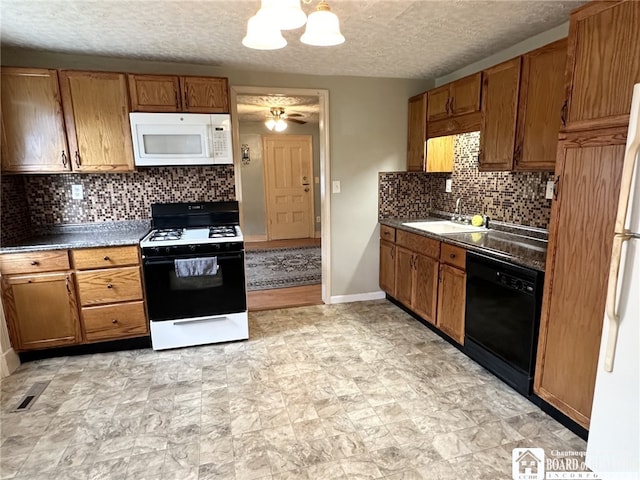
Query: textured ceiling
(255, 108)
(384, 38)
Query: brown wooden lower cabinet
(580, 241)
(387, 267)
(114, 321)
(451, 302)
(41, 310)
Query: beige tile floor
(352, 391)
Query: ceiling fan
(278, 117)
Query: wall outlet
(447, 185)
(548, 193)
(317, 218)
(77, 192)
(335, 186)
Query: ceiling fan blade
(295, 120)
(294, 115)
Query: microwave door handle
(209, 143)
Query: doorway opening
(281, 185)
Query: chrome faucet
(458, 210)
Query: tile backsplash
(109, 197)
(512, 197)
(14, 213)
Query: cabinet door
(96, 109)
(425, 288)
(204, 94)
(499, 110)
(404, 275)
(387, 267)
(465, 95)
(451, 302)
(539, 107)
(416, 132)
(155, 93)
(603, 65)
(33, 136)
(41, 310)
(438, 103)
(580, 240)
(440, 151)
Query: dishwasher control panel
(515, 283)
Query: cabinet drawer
(418, 243)
(388, 233)
(109, 285)
(90, 258)
(34, 262)
(454, 256)
(114, 321)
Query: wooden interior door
(33, 135)
(288, 166)
(41, 310)
(499, 111)
(417, 133)
(96, 109)
(580, 241)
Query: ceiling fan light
(270, 124)
(286, 14)
(281, 125)
(263, 34)
(323, 28)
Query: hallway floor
(349, 391)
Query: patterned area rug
(283, 267)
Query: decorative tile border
(512, 197)
(122, 196)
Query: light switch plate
(548, 193)
(335, 186)
(77, 192)
(447, 185)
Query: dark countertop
(514, 248)
(86, 235)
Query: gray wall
(252, 177)
(368, 131)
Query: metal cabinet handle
(451, 100)
(109, 285)
(66, 281)
(556, 187)
(446, 105)
(186, 98)
(64, 159)
(77, 157)
(517, 154)
(306, 189)
(106, 258)
(563, 112)
(35, 262)
(393, 253)
(114, 321)
(452, 255)
(177, 99)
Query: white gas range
(193, 265)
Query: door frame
(312, 222)
(325, 164)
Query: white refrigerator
(613, 448)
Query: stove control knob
(156, 250)
(167, 249)
(192, 248)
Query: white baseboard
(9, 362)
(358, 297)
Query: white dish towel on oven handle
(196, 267)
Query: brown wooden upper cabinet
(456, 98)
(167, 93)
(521, 111)
(33, 135)
(416, 133)
(599, 96)
(440, 153)
(96, 110)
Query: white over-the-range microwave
(164, 139)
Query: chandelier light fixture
(277, 120)
(264, 29)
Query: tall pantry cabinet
(603, 63)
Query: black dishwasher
(502, 318)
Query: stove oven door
(170, 297)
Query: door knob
(306, 189)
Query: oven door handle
(166, 261)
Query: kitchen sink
(444, 227)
